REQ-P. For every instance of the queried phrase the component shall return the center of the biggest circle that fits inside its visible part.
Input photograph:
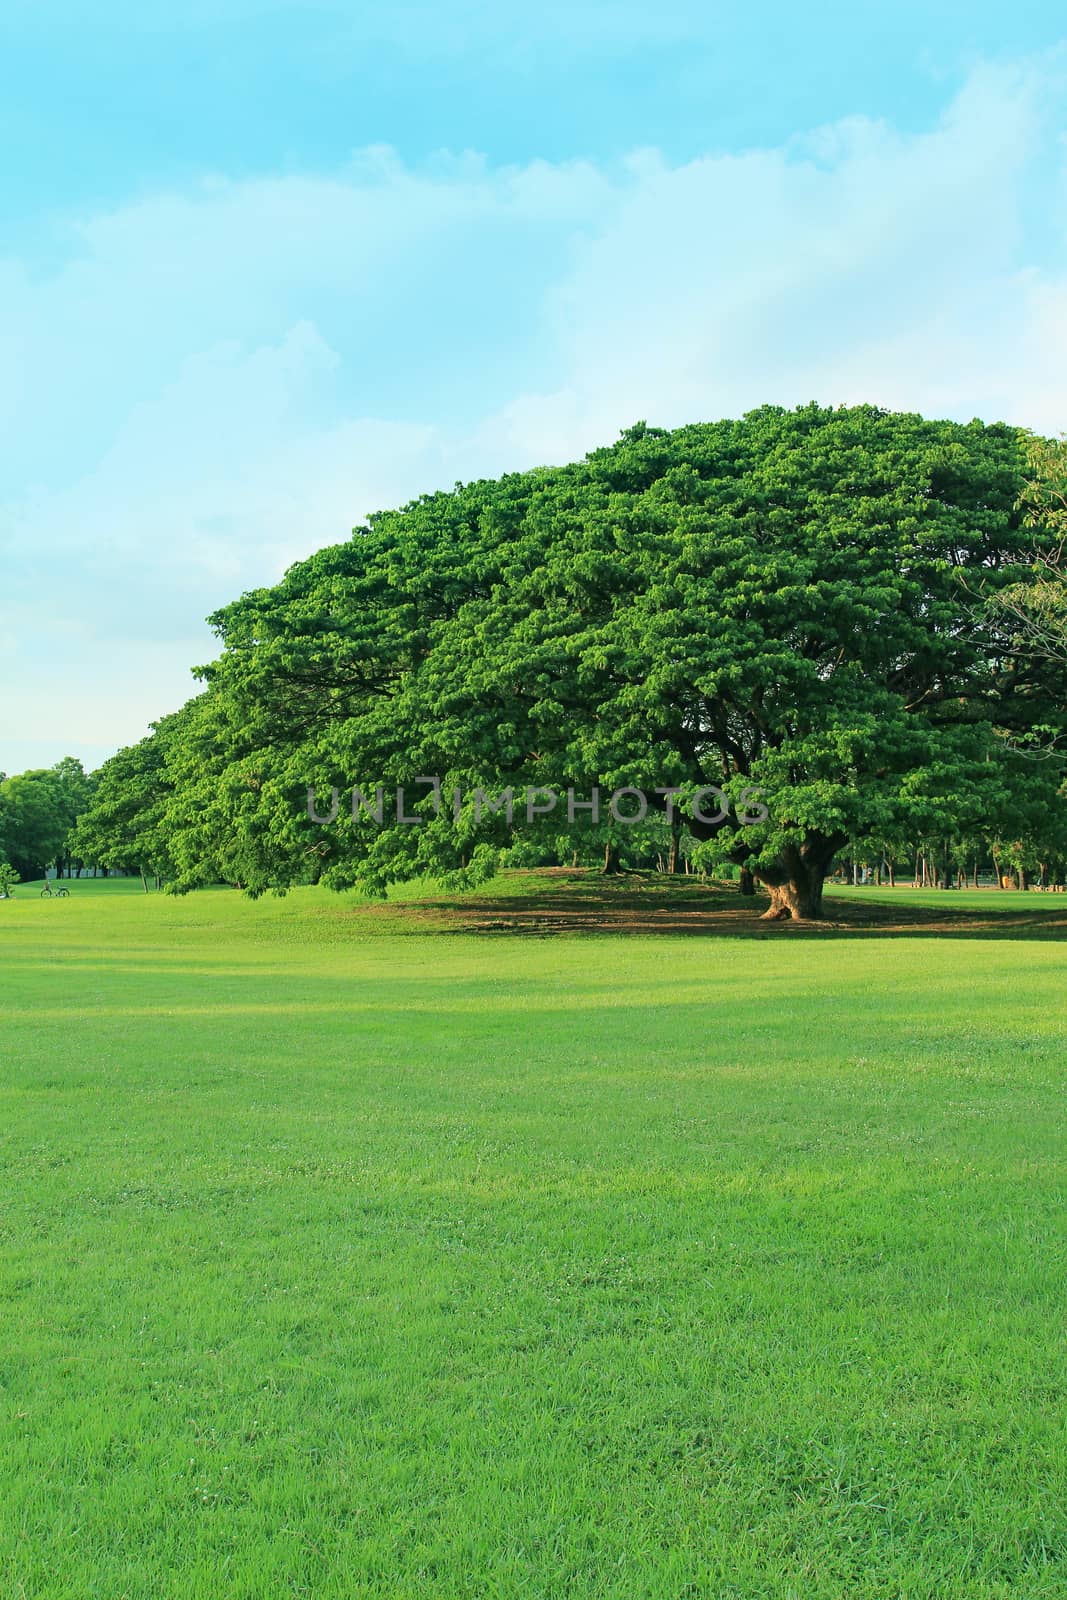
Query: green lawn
(341, 1258)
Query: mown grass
(340, 1258)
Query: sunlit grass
(338, 1258)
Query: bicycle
(48, 893)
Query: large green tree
(784, 601)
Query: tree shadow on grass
(543, 904)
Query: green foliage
(783, 602)
(1033, 613)
(780, 601)
(127, 823)
(8, 879)
(38, 811)
(1044, 497)
(31, 828)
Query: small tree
(122, 825)
(33, 821)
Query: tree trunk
(144, 881)
(674, 853)
(611, 860)
(892, 872)
(797, 901)
(746, 883)
(1024, 879)
(796, 886)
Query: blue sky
(265, 268)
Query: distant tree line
(858, 611)
(38, 811)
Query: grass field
(354, 1251)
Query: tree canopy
(784, 601)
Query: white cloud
(218, 382)
(857, 264)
